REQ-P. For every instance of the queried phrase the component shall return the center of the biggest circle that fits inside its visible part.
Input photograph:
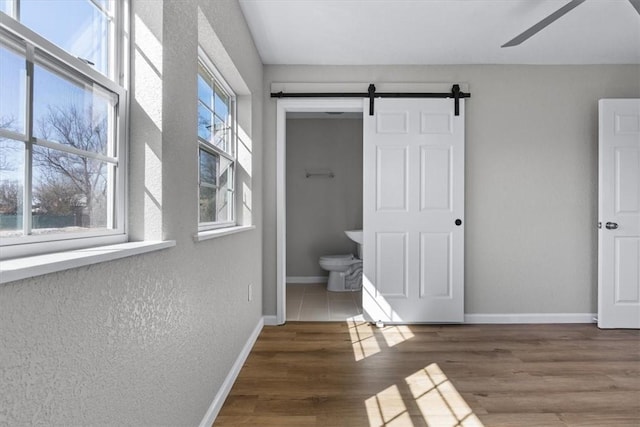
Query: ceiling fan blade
(636, 4)
(548, 20)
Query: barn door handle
(611, 225)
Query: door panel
(435, 181)
(619, 214)
(435, 265)
(627, 192)
(391, 264)
(391, 182)
(413, 252)
(627, 250)
(392, 122)
(439, 123)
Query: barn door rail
(371, 93)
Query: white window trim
(27, 246)
(33, 266)
(205, 227)
(221, 232)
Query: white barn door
(413, 249)
(619, 214)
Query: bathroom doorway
(323, 199)
(322, 305)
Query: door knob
(611, 225)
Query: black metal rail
(455, 93)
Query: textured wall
(320, 209)
(531, 177)
(147, 340)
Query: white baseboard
(530, 318)
(299, 280)
(224, 390)
(270, 320)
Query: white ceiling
(364, 32)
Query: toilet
(345, 271)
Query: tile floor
(312, 302)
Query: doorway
(324, 198)
(285, 106)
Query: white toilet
(345, 271)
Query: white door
(619, 214)
(413, 196)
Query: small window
(217, 148)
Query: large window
(62, 110)
(217, 148)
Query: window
(217, 148)
(62, 137)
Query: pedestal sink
(356, 236)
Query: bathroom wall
(319, 209)
(148, 340)
(531, 177)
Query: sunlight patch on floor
(394, 335)
(438, 400)
(387, 408)
(432, 393)
(363, 341)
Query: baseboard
(530, 318)
(224, 390)
(270, 320)
(300, 280)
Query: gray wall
(531, 177)
(320, 209)
(147, 340)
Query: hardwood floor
(346, 374)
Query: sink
(355, 235)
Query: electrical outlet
(250, 292)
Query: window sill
(23, 268)
(213, 234)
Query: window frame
(38, 51)
(207, 146)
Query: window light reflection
(434, 395)
(387, 408)
(438, 400)
(394, 335)
(363, 340)
(431, 396)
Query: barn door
(413, 248)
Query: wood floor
(345, 374)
